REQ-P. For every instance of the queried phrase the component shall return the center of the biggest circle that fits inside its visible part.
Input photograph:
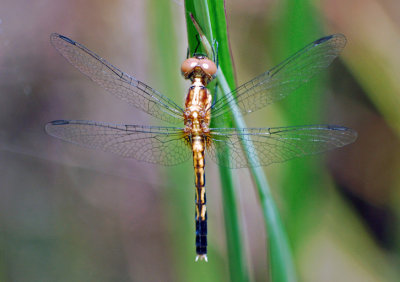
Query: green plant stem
(282, 268)
(200, 10)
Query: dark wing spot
(67, 39)
(337, 127)
(59, 122)
(322, 40)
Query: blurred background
(73, 214)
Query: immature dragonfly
(174, 145)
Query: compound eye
(189, 64)
(208, 66)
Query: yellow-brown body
(197, 121)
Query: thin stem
(282, 268)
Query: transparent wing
(161, 145)
(274, 145)
(283, 79)
(118, 83)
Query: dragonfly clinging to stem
(174, 145)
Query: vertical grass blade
(179, 206)
(282, 268)
(162, 40)
(200, 10)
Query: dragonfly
(191, 135)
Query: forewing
(118, 83)
(161, 145)
(283, 79)
(265, 146)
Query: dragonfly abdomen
(201, 224)
(200, 198)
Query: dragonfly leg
(198, 44)
(188, 53)
(215, 94)
(215, 52)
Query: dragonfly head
(199, 66)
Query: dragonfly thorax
(197, 108)
(196, 122)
